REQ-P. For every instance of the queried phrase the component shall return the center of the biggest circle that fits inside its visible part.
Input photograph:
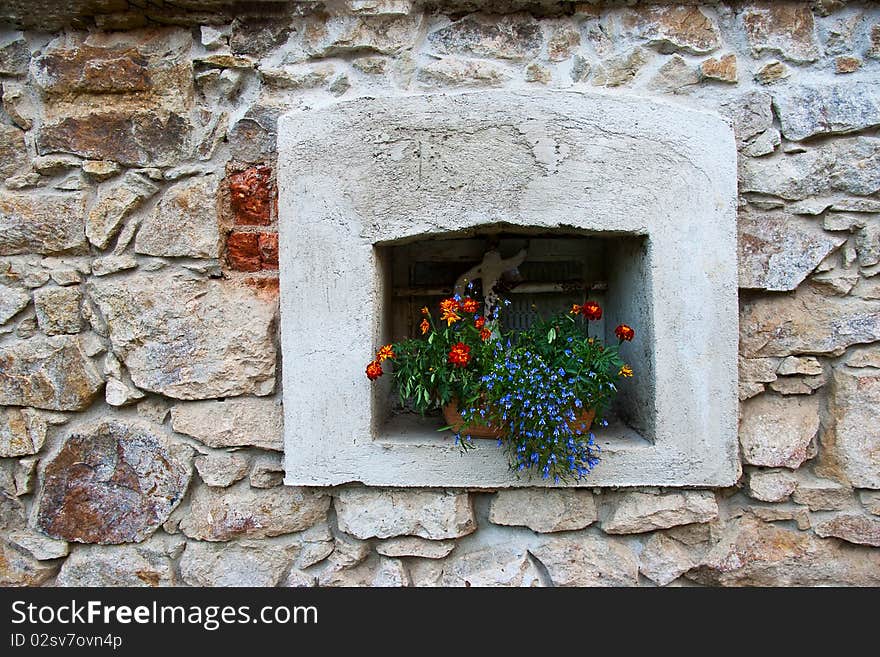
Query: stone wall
(140, 427)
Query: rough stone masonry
(140, 417)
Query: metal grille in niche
(554, 286)
(535, 288)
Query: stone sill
(412, 430)
(429, 458)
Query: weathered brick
(243, 251)
(250, 194)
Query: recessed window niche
(558, 269)
(383, 202)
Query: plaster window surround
(654, 183)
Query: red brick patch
(252, 251)
(250, 193)
(243, 251)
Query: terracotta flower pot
(583, 420)
(454, 419)
(580, 425)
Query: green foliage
(423, 374)
(562, 342)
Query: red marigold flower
(470, 305)
(385, 353)
(624, 332)
(425, 326)
(460, 354)
(485, 334)
(450, 317)
(575, 310)
(591, 310)
(374, 370)
(449, 305)
(480, 322)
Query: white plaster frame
(376, 170)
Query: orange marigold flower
(591, 310)
(480, 322)
(485, 334)
(624, 332)
(460, 354)
(374, 370)
(385, 353)
(450, 317)
(575, 310)
(470, 305)
(626, 371)
(425, 326)
(449, 305)
(425, 310)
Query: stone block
(112, 482)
